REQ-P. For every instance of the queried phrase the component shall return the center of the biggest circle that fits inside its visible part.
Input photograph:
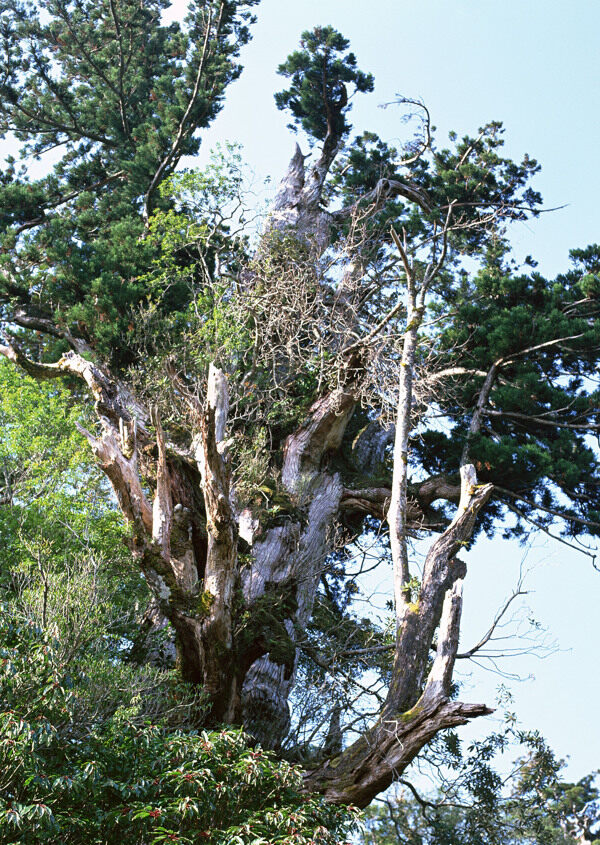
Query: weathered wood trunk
(237, 592)
(416, 707)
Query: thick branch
(221, 555)
(440, 677)
(370, 765)
(123, 474)
(410, 719)
(322, 433)
(162, 512)
(45, 325)
(385, 190)
(375, 502)
(398, 511)
(440, 571)
(113, 400)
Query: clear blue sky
(534, 65)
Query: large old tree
(372, 368)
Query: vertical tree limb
(439, 680)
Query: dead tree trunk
(415, 709)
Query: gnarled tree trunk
(238, 592)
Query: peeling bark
(370, 446)
(321, 434)
(221, 556)
(292, 558)
(296, 209)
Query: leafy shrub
(119, 781)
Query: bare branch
(543, 528)
(561, 514)
(498, 617)
(162, 511)
(490, 412)
(440, 677)
(426, 142)
(449, 372)
(385, 190)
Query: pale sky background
(532, 64)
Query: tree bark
(288, 561)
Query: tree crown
(319, 73)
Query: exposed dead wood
(371, 765)
(415, 709)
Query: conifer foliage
(117, 97)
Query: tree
(247, 399)
(532, 804)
